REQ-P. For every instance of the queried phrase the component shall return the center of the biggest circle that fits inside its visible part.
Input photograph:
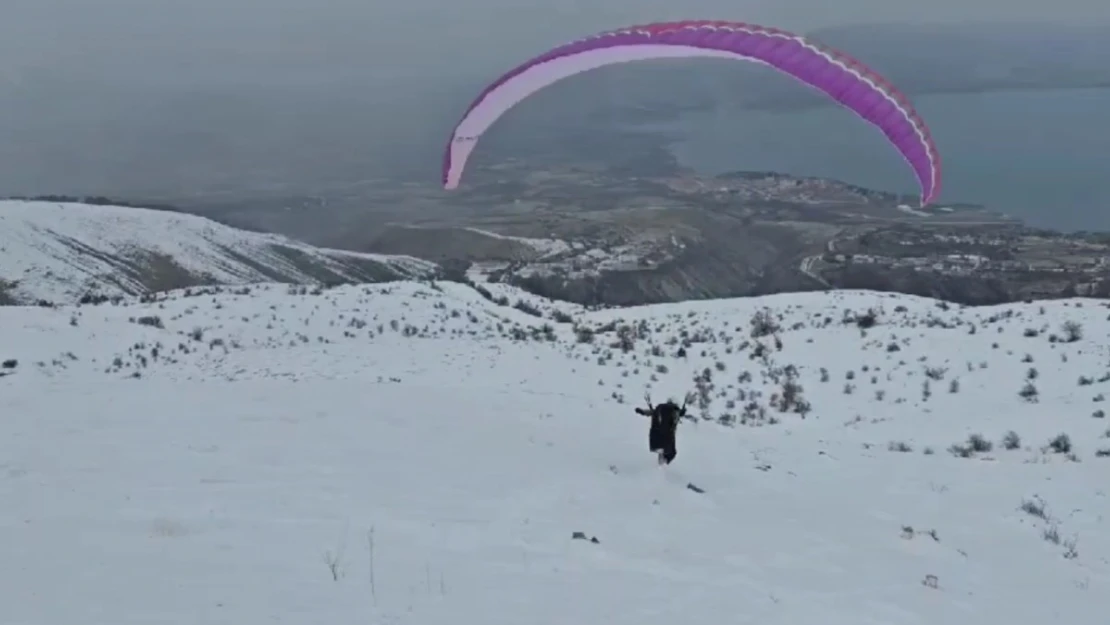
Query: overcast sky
(390, 38)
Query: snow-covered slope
(543, 247)
(415, 453)
(60, 252)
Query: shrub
(1060, 444)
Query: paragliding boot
(667, 454)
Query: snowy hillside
(60, 252)
(418, 454)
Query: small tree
(1029, 392)
(703, 383)
(763, 324)
(1072, 331)
(626, 338)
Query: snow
(514, 296)
(59, 251)
(400, 435)
(909, 210)
(583, 260)
(545, 247)
(577, 259)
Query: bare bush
(1072, 330)
(763, 324)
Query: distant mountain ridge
(572, 234)
(59, 252)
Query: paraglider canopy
(845, 80)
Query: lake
(1041, 156)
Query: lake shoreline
(1034, 154)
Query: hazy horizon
(214, 39)
(171, 99)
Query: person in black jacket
(664, 426)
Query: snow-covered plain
(412, 453)
(61, 251)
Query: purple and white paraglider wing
(842, 78)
